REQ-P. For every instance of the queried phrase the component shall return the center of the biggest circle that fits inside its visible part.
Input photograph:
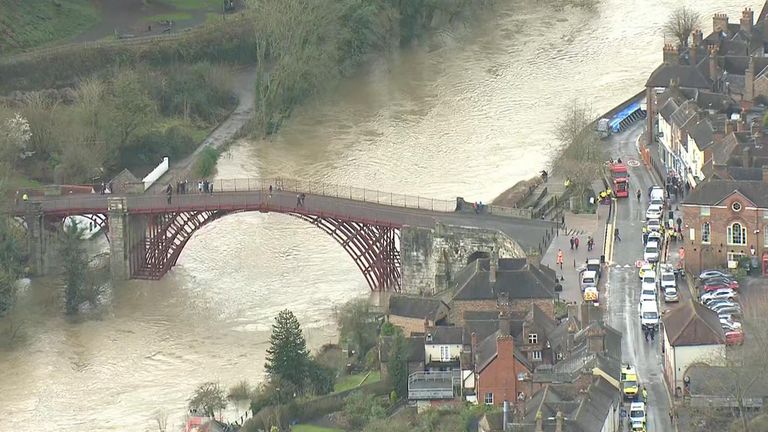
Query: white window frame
(488, 398)
(704, 211)
(734, 256)
(765, 235)
(533, 338)
(445, 353)
(730, 232)
(536, 355)
(706, 233)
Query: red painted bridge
(366, 223)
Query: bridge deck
(527, 232)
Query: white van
(656, 195)
(651, 253)
(588, 279)
(649, 314)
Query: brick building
(724, 221)
(412, 313)
(502, 371)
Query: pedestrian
(590, 243)
(16, 199)
(210, 187)
(25, 197)
(562, 221)
(573, 242)
(645, 332)
(169, 192)
(653, 335)
(199, 186)
(270, 191)
(616, 234)
(303, 197)
(576, 242)
(298, 200)
(679, 223)
(671, 417)
(638, 195)
(560, 258)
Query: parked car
(730, 325)
(670, 295)
(653, 225)
(648, 294)
(727, 294)
(713, 273)
(654, 236)
(667, 279)
(728, 310)
(714, 287)
(637, 412)
(714, 303)
(593, 264)
(645, 268)
(651, 252)
(654, 211)
(727, 316)
(719, 280)
(735, 337)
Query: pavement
(620, 294)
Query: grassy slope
(313, 428)
(29, 23)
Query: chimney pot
(713, 63)
(747, 18)
(720, 22)
(671, 53)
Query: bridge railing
(336, 191)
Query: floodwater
(468, 113)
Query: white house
(691, 334)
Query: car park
(728, 310)
(653, 225)
(713, 273)
(654, 211)
(718, 280)
(735, 337)
(728, 294)
(670, 295)
(637, 412)
(645, 268)
(651, 252)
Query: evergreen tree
(398, 366)
(75, 265)
(287, 355)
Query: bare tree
(208, 398)
(582, 158)
(681, 24)
(161, 418)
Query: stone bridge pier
(433, 257)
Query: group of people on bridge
(203, 186)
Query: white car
(725, 294)
(651, 252)
(714, 303)
(670, 295)
(730, 325)
(654, 236)
(654, 212)
(648, 294)
(668, 280)
(653, 225)
(706, 274)
(637, 412)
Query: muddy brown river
(464, 113)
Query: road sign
(639, 263)
(633, 163)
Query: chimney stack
(749, 81)
(559, 421)
(505, 323)
(745, 158)
(693, 52)
(747, 18)
(670, 54)
(504, 425)
(697, 37)
(713, 63)
(730, 126)
(473, 342)
(765, 173)
(494, 263)
(720, 23)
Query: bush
(240, 391)
(206, 162)
(361, 408)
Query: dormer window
(429, 337)
(533, 338)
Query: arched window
(737, 234)
(705, 233)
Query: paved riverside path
(527, 232)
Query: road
(623, 285)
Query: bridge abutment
(39, 241)
(433, 257)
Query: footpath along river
(463, 114)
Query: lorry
(620, 177)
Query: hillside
(25, 24)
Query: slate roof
(715, 191)
(415, 307)
(668, 109)
(745, 174)
(688, 76)
(594, 407)
(487, 350)
(543, 322)
(686, 113)
(714, 101)
(722, 153)
(703, 133)
(692, 323)
(446, 335)
(529, 282)
(414, 348)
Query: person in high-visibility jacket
(25, 197)
(645, 395)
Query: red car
(730, 283)
(735, 337)
(707, 287)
